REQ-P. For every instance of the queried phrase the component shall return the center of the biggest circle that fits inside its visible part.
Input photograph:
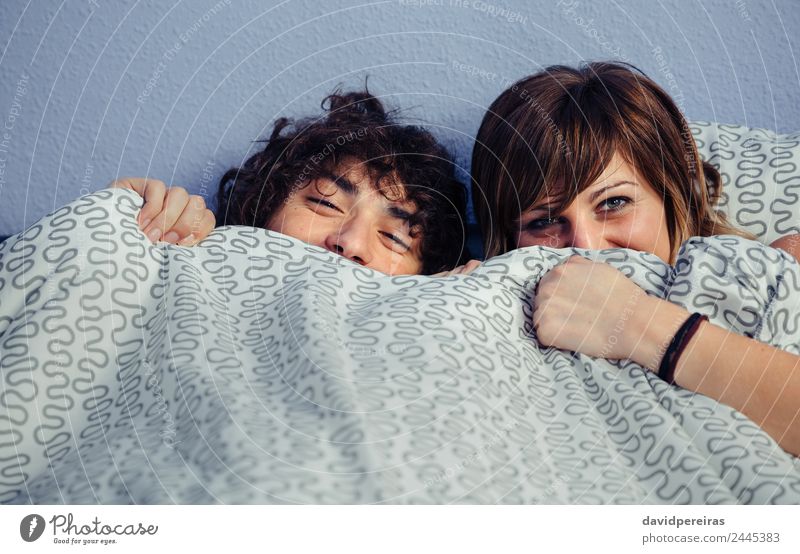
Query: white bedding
(254, 368)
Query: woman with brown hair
(601, 157)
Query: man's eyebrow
(399, 213)
(597, 193)
(343, 183)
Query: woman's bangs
(588, 141)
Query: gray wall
(94, 89)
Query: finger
(466, 268)
(543, 293)
(135, 184)
(206, 226)
(174, 204)
(450, 272)
(188, 222)
(536, 320)
(153, 192)
(472, 265)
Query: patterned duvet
(254, 368)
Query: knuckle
(543, 334)
(176, 193)
(182, 226)
(543, 291)
(158, 222)
(207, 223)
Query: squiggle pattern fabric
(254, 368)
(760, 176)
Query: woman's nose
(589, 234)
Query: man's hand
(169, 214)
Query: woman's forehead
(558, 194)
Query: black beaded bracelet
(666, 371)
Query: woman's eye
(542, 223)
(616, 203)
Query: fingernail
(146, 223)
(187, 240)
(154, 234)
(171, 237)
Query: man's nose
(589, 234)
(350, 240)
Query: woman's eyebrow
(597, 193)
(549, 208)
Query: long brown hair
(552, 134)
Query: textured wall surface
(90, 90)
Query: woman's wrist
(657, 321)
(669, 361)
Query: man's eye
(325, 203)
(396, 240)
(542, 223)
(616, 203)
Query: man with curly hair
(352, 181)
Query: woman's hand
(584, 306)
(592, 308)
(468, 267)
(169, 214)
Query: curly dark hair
(403, 162)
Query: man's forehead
(355, 179)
